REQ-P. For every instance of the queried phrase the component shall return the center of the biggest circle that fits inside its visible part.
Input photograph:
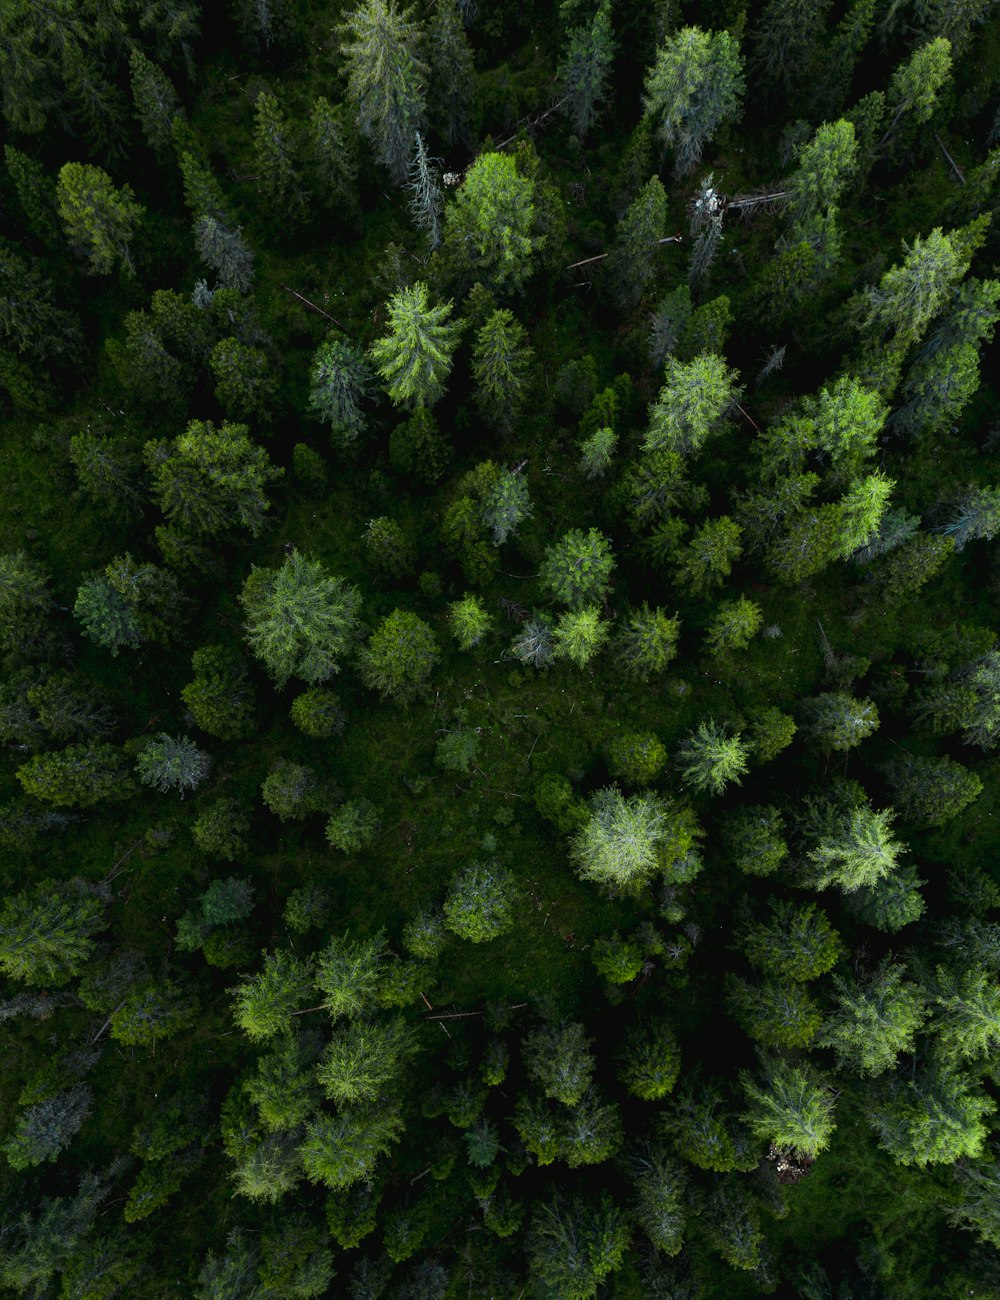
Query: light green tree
(646, 643)
(855, 850)
(694, 86)
(708, 558)
(400, 656)
(836, 720)
(733, 626)
(874, 1019)
(490, 226)
(790, 1105)
(414, 358)
(47, 932)
(710, 758)
(264, 1004)
(579, 635)
(917, 83)
(479, 905)
(618, 847)
(299, 620)
(168, 762)
(967, 1013)
(468, 620)
(99, 219)
(386, 76)
(558, 1059)
(691, 405)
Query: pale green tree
(579, 635)
(790, 1105)
(386, 76)
(299, 620)
(414, 358)
(399, 657)
(691, 405)
(100, 220)
(709, 758)
(694, 86)
(491, 225)
(874, 1019)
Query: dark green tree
(47, 932)
(400, 656)
(694, 86)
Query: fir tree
(694, 86)
(99, 219)
(414, 359)
(341, 381)
(385, 79)
(585, 67)
(500, 362)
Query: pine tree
(225, 251)
(836, 720)
(912, 293)
(414, 358)
(733, 626)
(210, 479)
(452, 93)
(577, 569)
(572, 1246)
(938, 1117)
(25, 606)
(275, 159)
(691, 405)
(36, 193)
(479, 903)
(363, 1062)
(400, 656)
(299, 621)
(469, 620)
(426, 200)
(44, 1130)
(710, 759)
(47, 932)
(775, 1015)
(78, 776)
(385, 79)
(874, 1020)
(931, 791)
(108, 471)
(220, 697)
(786, 40)
(633, 259)
(490, 228)
(646, 643)
(790, 1105)
(856, 850)
(172, 763)
(558, 1059)
(500, 361)
(694, 86)
(244, 383)
(794, 943)
(155, 99)
(585, 68)
(967, 1013)
(650, 1061)
(618, 847)
(329, 155)
(916, 84)
(707, 559)
(99, 219)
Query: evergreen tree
(500, 361)
(618, 847)
(573, 1246)
(99, 219)
(451, 96)
(754, 839)
(579, 634)
(874, 1020)
(224, 251)
(362, 1063)
(332, 169)
(25, 605)
(354, 827)
(707, 559)
(341, 380)
(293, 790)
(916, 84)
(787, 39)
(597, 453)
(244, 382)
(733, 626)
(910, 295)
(709, 759)
(400, 656)
(47, 932)
(275, 159)
(634, 256)
(836, 720)
(931, 791)
(479, 903)
(299, 621)
(220, 697)
(151, 1012)
(650, 1061)
(424, 188)
(341, 1150)
(967, 1013)
(775, 1015)
(78, 776)
(155, 99)
(385, 79)
(794, 943)
(491, 225)
(209, 479)
(172, 763)
(938, 1117)
(855, 850)
(585, 67)
(108, 471)
(558, 1059)
(694, 86)
(469, 621)
(414, 359)
(350, 973)
(692, 403)
(790, 1105)
(44, 1130)
(646, 643)
(577, 569)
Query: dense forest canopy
(499, 663)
